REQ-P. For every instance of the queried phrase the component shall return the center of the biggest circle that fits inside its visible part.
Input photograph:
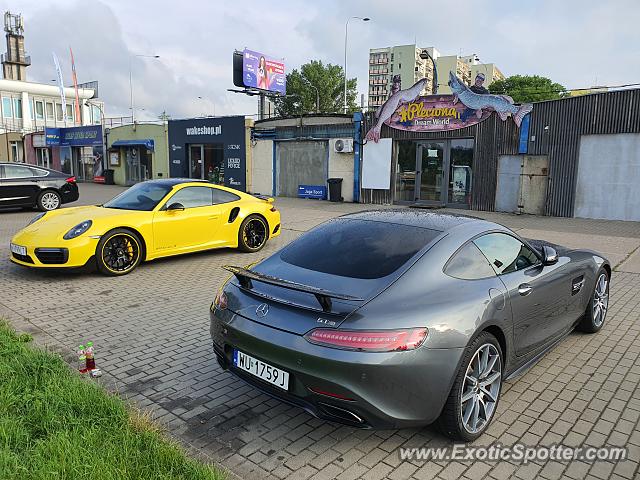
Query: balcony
(26, 61)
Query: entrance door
(133, 166)
(196, 153)
(431, 172)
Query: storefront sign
(38, 141)
(407, 110)
(87, 136)
(312, 191)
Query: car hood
(55, 224)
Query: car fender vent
(234, 214)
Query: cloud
(574, 42)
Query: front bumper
(386, 390)
(66, 254)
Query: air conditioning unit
(343, 145)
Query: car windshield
(357, 248)
(142, 196)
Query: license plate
(18, 250)
(262, 370)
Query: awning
(141, 142)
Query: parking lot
(150, 330)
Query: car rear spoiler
(323, 296)
(264, 197)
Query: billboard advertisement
(263, 72)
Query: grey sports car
(399, 318)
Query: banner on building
(60, 86)
(87, 136)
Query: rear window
(357, 248)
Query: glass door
(133, 166)
(195, 161)
(430, 165)
(460, 173)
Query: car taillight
(71, 180)
(369, 341)
(220, 301)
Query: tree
(528, 88)
(328, 79)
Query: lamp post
(133, 112)
(317, 93)
(346, 32)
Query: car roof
(172, 182)
(415, 218)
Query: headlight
(36, 218)
(78, 230)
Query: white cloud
(573, 42)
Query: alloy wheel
(50, 201)
(255, 233)
(120, 253)
(481, 388)
(600, 300)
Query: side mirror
(550, 255)
(175, 206)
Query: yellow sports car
(153, 219)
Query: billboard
(263, 72)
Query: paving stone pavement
(150, 329)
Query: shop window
(49, 107)
(39, 110)
(17, 107)
(43, 157)
(6, 107)
(406, 171)
(59, 115)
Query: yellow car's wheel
(253, 233)
(118, 252)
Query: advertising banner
(265, 73)
(52, 137)
(60, 86)
(312, 191)
(87, 136)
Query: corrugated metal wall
(556, 127)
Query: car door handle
(524, 289)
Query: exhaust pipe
(341, 413)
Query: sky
(577, 43)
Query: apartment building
(400, 66)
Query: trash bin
(335, 190)
(108, 177)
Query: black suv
(24, 185)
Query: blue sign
(523, 147)
(312, 191)
(52, 137)
(88, 136)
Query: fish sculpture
(502, 104)
(389, 107)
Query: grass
(56, 425)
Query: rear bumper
(385, 390)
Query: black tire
(118, 252)
(49, 200)
(253, 233)
(451, 421)
(593, 319)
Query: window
(70, 112)
(192, 197)
(6, 107)
(49, 111)
(17, 171)
(96, 114)
(357, 248)
(220, 196)
(39, 110)
(142, 197)
(59, 115)
(468, 263)
(32, 111)
(505, 253)
(17, 107)
(16, 151)
(42, 157)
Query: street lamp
(133, 112)
(317, 93)
(212, 103)
(346, 31)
